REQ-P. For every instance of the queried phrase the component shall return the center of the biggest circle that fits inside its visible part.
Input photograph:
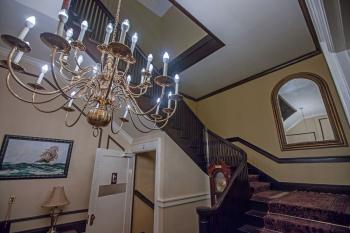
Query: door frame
(153, 144)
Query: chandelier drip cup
(103, 91)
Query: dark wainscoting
(78, 226)
(287, 186)
(318, 159)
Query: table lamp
(56, 200)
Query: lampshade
(57, 198)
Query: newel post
(204, 220)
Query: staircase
(275, 211)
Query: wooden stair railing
(201, 145)
(226, 215)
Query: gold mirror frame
(340, 139)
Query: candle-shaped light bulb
(109, 30)
(150, 69)
(19, 55)
(63, 18)
(83, 27)
(169, 99)
(79, 60)
(30, 23)
(44, 70)
(158, 102)
(134, 39)
(70, 103)
(96, 69)
(69, 34)
(149, 60)
(128, 79)
(126, 111)
(177, 80)
(142, 76)
(125, 28)
(165, 61)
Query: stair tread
(254, 229)
(253, 178)
(268, 195)
(256, 213)
(280, 222)
(258, 186)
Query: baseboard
(78, 226)
(290, 186)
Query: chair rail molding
(337, 63)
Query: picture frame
(25, 157)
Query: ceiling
(158, 7)
(258, 35)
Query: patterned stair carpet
(296, 211)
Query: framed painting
(23, 157)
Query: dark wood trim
(144, 199)
(110, 138)
(261, 74)
(310, 25)
(288, 186)
(47, 216)
(316, 159)
(78, 226)
(200, 50)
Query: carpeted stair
(273, 211)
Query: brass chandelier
(103, 90)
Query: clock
(219, 175)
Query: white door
(111, 192)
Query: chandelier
(104, 90)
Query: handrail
(144, 199)
(217, 219)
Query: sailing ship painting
(24, 157)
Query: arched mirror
(305, 113)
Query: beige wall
(143, 215)
(182, 186)
(246, 112)
(22, 119)
(173, 32)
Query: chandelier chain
(117, 16)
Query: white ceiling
(305, 94)
(158, 7)
(258, 35)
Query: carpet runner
(296, 211)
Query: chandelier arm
(139, 111)
(79, 116)
(18, 80)
(138, 128)
(21, 98)
(68, 87)
(168, 116)
(47, 111)
(120, 127)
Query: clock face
(220, 182)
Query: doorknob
(92, 218)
